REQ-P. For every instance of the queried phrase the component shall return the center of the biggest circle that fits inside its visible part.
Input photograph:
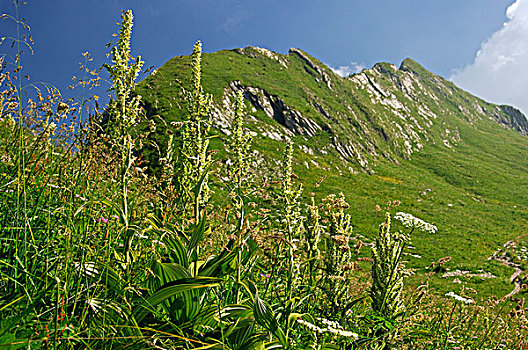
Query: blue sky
(444, 36)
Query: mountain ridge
(382, 134)
(371, 133)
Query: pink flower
(114, 216)
(103, 219)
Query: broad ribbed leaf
(264, 316)
(167, 272)
(237, 311)
(104, 274)
(196, 236)
(239, 330)
(177, 251)
(115, 207)
(294, 316)
(253, 343)
(219, 265)
(206, 318)
(172, 289)
(247, 254)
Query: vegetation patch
(145, 225)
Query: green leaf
(8, 341)
(9, 324)
(237, 311)
(177, 251)
(199, 185)
(104, 274)
(197, 236)
(172, 289)
(273, 345)
(265, 317)
(294, 316)
(220, 265)
(168, 272)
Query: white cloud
(499, 72)
(345, 71)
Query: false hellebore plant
(387, 268)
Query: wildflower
(459, 298)
(387, 272)
(103, 219)
(343, 333)
(332, 327)
(62, 314)
(311, 326)
(337, 278)
(329, 323)
(267, 275)
(114, 216)
(411, 221)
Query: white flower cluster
(411, 221)
(310, 326)
(331, 327)
(459, 298)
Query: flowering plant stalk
(387, 267)
(238, 147)
(193, 158)
(387, 277)
(337, 252)
(291, 214)
(123, 114)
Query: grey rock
(275, 108)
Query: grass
(211, 249)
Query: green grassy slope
(386, 133)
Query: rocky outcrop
(514, 118)
(275, 108)
(254, 51)
(350, 152)
(503, 256)
(314, 69)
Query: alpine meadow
(247, 199)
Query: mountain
(386, 133)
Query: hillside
(387, 133)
